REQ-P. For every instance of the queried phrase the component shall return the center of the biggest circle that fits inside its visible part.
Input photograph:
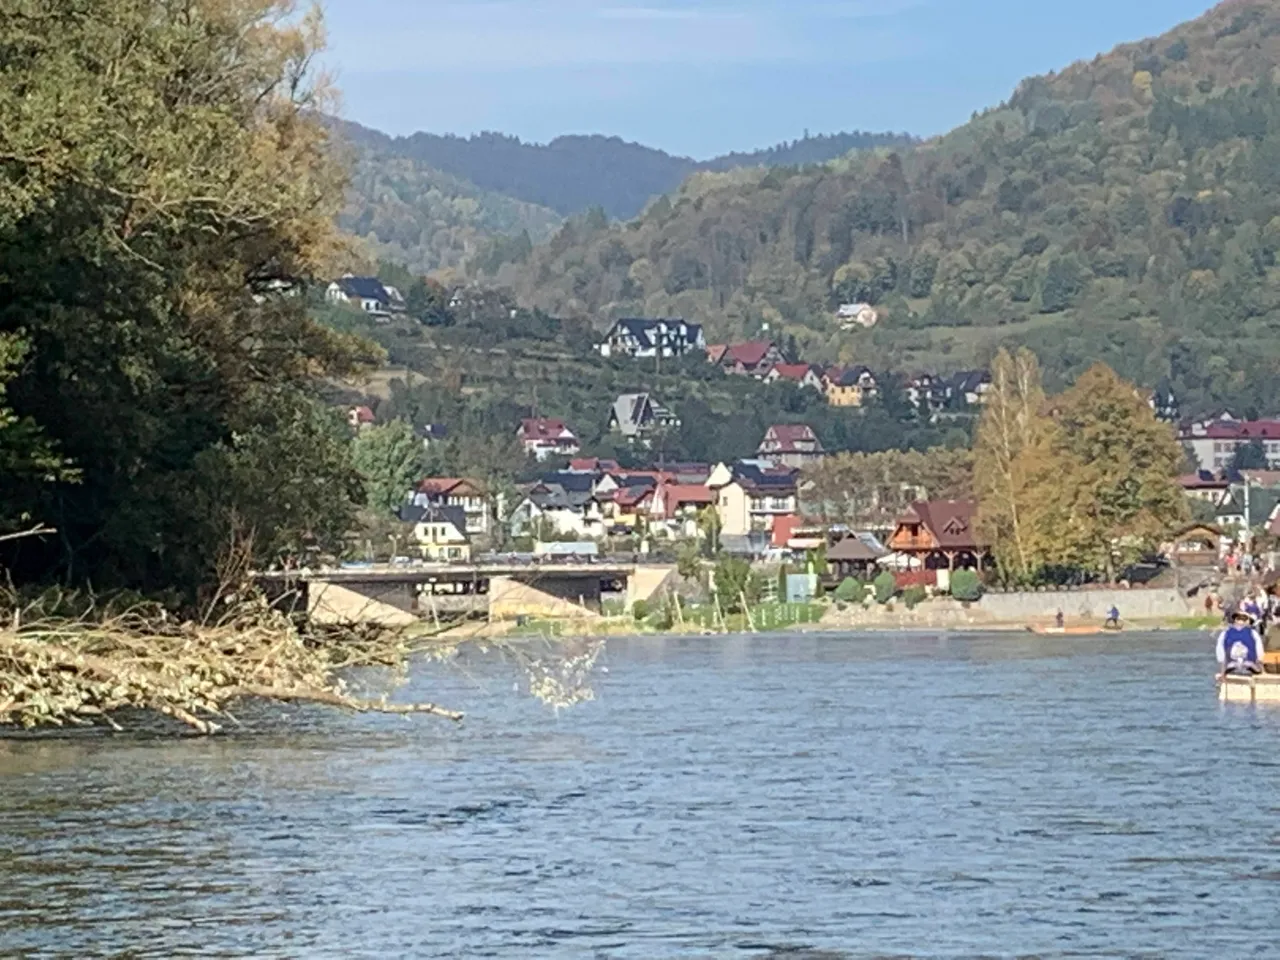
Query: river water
(807, 796)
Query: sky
(704, 77)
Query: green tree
(850, 590)
(734, 580)
(1115, 491)
(166, 183)
(390, 459)
(966, 586)
(886, 587)
(1250, 456)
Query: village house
(848, 386)
(368, 294)
(641, 338)
(851, 316)
(801, 374)
(676, 507)
(927, 393)
(790, 445)
(431, 433)
(1214, 442)
(969, 388)
(565, 504)
(750, 495)
(544, 437)
(755, 358)
(358, 418)
(1208, 485)
(440, 532)
(467, 495)
(940, 535)
(636, 416)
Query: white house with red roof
(755, 358)
(676, 506)
(791, 445)
(801, 374)
(544, 437)
(1214, 443)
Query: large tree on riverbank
(166, 190)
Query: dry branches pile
(61, 671)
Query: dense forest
(573, 174)
(1123, 210)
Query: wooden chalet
(1199, 545)
(941, 535)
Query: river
(804, 796)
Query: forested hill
(575, 173)
(1126, 209)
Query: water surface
(807, 796)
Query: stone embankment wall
(1005, 609)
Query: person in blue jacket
(1240, 646)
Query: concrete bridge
(402, 594)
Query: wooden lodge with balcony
(941, 535)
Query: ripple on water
(802, 797)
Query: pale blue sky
(703, 78)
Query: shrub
(966, 586)
(886, 586)
(913, 596)
(640, 611)
(849, 590)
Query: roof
(432, 431)
(784, 527)
(970, 381)
(636, 410)
(363, 414)
(434, 513)
(716, 352)
(794, 371)
(544, 430)
(848, 376)
(950, 521)
(756, 478)
(592, 465)
(787, 437)
(444, 486)
(552, 496)
(1203, 480)
(364, 288)
(749, 354)
(857, 548)
(1239, 430)
(677, 495)
(569, 480)
(643, 328)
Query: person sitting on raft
(1240, 648)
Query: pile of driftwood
(59, 671)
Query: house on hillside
(431, 433)
(641, 338)
(852, 316)
(563, 503)
(968, 388)
(1214, 442)
(801, 374)
(848, 386)
(440, 532)
(637, 416)
(926, 392)
(940, 535)
(368, 294)
(1207, 485)
(676, 507)
(468, 495)
(791, 445)
(751, 494)
(360, 417)
(755, 358)
(544, 437)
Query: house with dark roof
(751, 494)
(801, 374)
(940, 535)
(791, 445)
(468, 495)
(968, 388)
(544, 437)
(562, 503)
(430, 433)
(639, 415)
(755, 358)
(368, 294)
(641, 338)
(439, 531)
(848, 386)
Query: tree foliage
(390, 459)
(164, 187)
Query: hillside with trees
(574, 174)
(1122, 210)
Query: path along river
(807, 796)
